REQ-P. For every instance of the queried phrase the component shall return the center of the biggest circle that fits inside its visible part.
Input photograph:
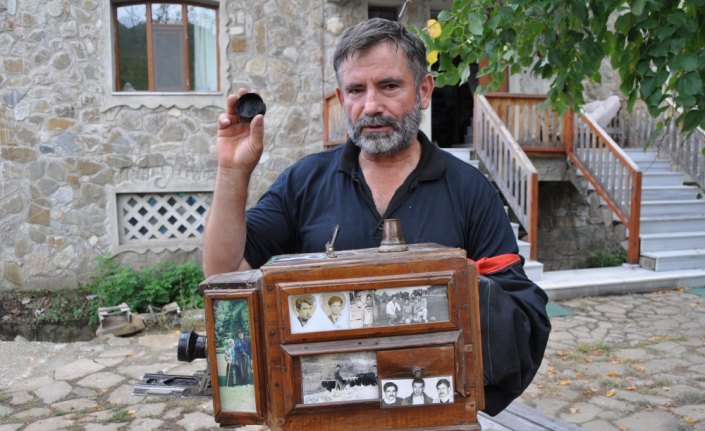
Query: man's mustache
(377, 121)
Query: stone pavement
(634, 362)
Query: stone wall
(572, 225)
(66, 140)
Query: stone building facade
(88, 171)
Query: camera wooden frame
(403, 351)
(224, 414)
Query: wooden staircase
(664, 217)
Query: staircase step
(680, 207)
(463, 154)
(668, 224)
(656, 242)
(662, 179)
(533, 270)
(658, 165)
(515, 228)
(524, 248)
(662, 193)
(638, 155)
(675, 260)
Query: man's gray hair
(361, 37)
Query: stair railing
(514, 174)
(616, 178)
(531, 122)
(686, 152)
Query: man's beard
(385, 143)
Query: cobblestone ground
(633, 362)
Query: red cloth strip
(490, 265)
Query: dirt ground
(45, 316)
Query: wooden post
(534, 216)
(634, 220)
(567, 135)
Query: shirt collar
(431, 166)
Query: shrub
(606, 258)
(166, 282)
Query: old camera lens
(191, 346)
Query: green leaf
(648, 85)
(685, 100)
(687, 62)
(666, 31)
(693, 119)
(475, 24)
(493, 22)
(677, 19)
(654, 100)
(443, 16)
(690, 83)
(660, 50)
(624, 23)
(643, 66)
(464, 73)
(637, 7)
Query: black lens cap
(250, 105)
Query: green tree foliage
(132, 43)
(656, 46)
(231, 316)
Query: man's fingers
(230, 104)
(257, 131)
(224, 121)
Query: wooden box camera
(363, 340)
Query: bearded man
(387, 169)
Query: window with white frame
(169, 46)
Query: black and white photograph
(363, 309)
(339, 377)
(410, 305)
(319, 312)
(302, 309)
(331, 311)
(233, 340)
(416, 391)
(335, 307)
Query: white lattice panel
(145, 217)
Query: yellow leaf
(668, 405)
(689, 420)
(631, 388)
(610, 393)
(613, 374)
(574, 410)
(564, 382)
(432, 57)
(434, 28)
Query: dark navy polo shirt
(444, 201)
